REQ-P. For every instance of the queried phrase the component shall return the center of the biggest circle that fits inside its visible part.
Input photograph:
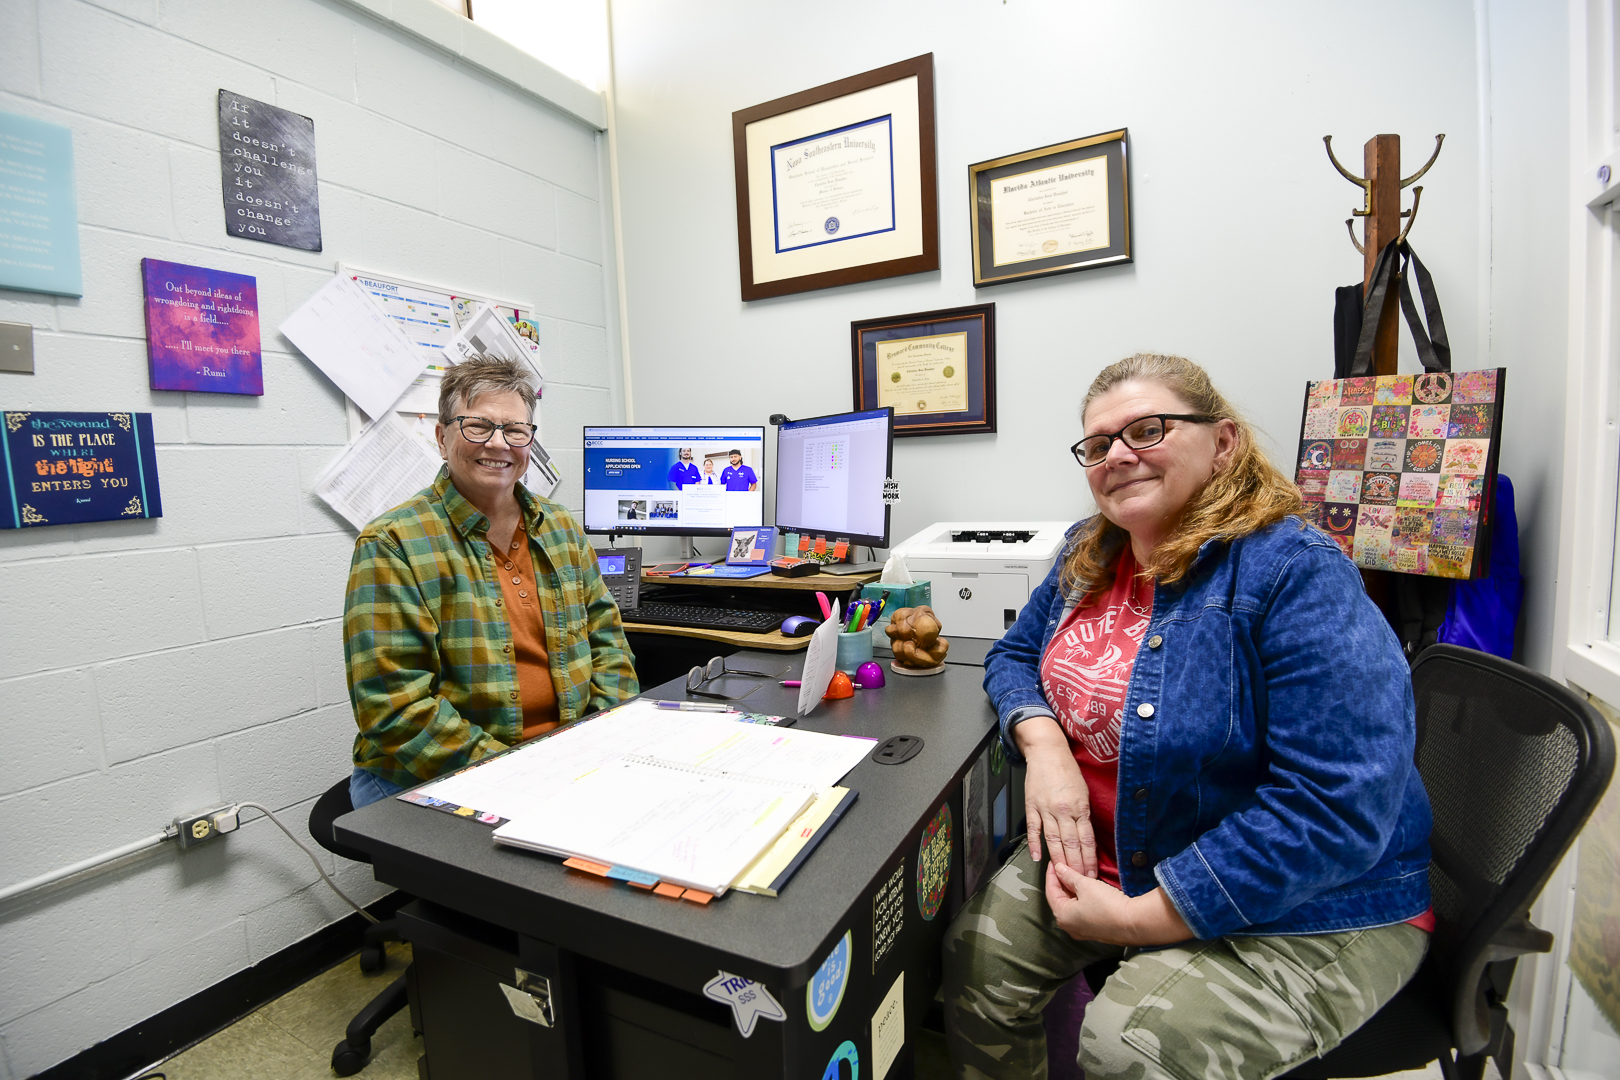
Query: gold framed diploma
(837, 184)
(1053, 210)
(936, 369)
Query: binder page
(519, 782)
(693, 829)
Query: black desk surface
(781, 941)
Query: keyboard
(700, 617)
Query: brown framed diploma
(937, 369)
(1053, 210)
(837, 184)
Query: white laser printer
(982, 572)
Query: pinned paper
(891, 490)
(820, 661)
(748, 999)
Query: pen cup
(854, 650)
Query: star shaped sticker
(748, 1000)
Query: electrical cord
(271, 814)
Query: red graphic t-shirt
(1084, 674)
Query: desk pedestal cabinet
(613, 978)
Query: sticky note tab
(664, 888)
(587, 866)
(804, 544)
(821, 545)
(840, 549)
(634, 877)
(697, 896)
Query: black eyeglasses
(476, 429)
(700, 677)
(1139, 434)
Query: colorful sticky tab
(697, 896)
(804, 544)
(821, 545)
(634, 877)
(664, 888)
(841, 549)
(587, 866)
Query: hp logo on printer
(966, 594)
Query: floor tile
(317, 1012)
(251, 1049)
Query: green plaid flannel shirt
(428, 647)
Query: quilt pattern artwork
(1396, 468)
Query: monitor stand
(843, 568)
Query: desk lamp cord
(267, 812)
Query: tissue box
(899, 596)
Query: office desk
(668, 652)
(627, 968)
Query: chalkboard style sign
(267, 167)
(63, 468)
(202, 329)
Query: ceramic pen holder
(854, 650)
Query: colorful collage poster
(202, 329)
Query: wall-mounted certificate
(936, 369)
(923, 375)
(1051, 211)
(837, 184)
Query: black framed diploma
(837, 184)
(937, 369)
(1054, 210)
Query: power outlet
(197, 829)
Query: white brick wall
(152, 668)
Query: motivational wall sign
(39, 213)
(202, 329)
(63, 468)
(267, 169)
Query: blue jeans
(366, 788)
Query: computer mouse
(799, 626)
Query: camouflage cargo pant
(1236, 1008)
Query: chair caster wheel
(373, 958)
(348, 1060)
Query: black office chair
(1513, 763)
(350, 1055)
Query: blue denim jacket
(1266, 778)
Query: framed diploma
(837, 184)
(937, 369)
(1054, 210)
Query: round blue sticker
(826, 990)
(845, 1052)
(831, 226)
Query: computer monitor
(674, 481)
(829, 476)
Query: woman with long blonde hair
(1218, 730)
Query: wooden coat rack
(1381, 216)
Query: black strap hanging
(1433, 346)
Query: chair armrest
(1517, 938)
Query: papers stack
(690, 798)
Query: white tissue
(895, 572)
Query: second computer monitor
(829, 476)
(672, 481)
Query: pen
(692, 706)
(791, 682)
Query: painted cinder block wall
(154, 668)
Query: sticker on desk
(934, 863)
(419, 799)
(748, 999)
(889, 1028)
(975, 822)
(846, 1054)
(826, 990)
(888, 914)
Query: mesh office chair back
(1513, 763)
